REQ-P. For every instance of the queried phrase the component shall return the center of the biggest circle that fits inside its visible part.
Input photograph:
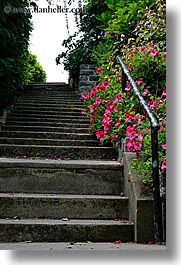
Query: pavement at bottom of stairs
(81, 246)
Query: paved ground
(80, 246)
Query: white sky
(47, 37)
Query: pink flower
(99, 71)
(151, 45)
(117, 123)
(105, 84)
(164, 165)
(106, 122)
(139, 82)
(160, 130)
(134, 50)
(165, 56)
(164, 93)
(151, 104)
(118, 98)
(130, 118)
(91, 108)
(142, 50)
(99, 101)
(147, 129)
(131, 132)
(140, 136)
(137, 146)
(100, 135)
(145, 92)
(106, 33)
(84, 111)
(93, 117)
(164, 146)
(85, 96)
(154, 53)
(141, 117)
(93, 92)
(128, 86)
(129, 146)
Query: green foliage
(15, 29)
(79, 46)
(35, 72)
(141, 42)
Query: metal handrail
(155, 162)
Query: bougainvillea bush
(116, 114)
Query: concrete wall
(140, 207)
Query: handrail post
(156, 187)
(123, 80)
(155, 163)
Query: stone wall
(87, 78)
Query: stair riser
(45, 135)
(78, 118)
(57, 120)
(34, 105)
(52, 107)
(62, 181)
(50, 142)
(35, 232)
(49, 112)
(49, 97)
(47, 124)
(58, 208)
(39, 101)
(61, 152)
(44, 129)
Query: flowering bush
(115, 114)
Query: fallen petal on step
(117, 242)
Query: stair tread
(99, 163)
(55, 146)
(61, 196)
(84, 222)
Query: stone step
(46, 230)
(77, 118)
(54, 142)
(44, 129)
(68, 97)
(62, 105)
(55, 120)
(51, 89)
(46, 123)
(51, 108)
(59, 95)
(63, 113)
(40, 85)
(71, 152)
(58, 206)
(48, 100)
(46, 135)
(61, 176)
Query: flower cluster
(115, 114)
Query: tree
(35, 72)
(15, 30)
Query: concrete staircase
(57, 184)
